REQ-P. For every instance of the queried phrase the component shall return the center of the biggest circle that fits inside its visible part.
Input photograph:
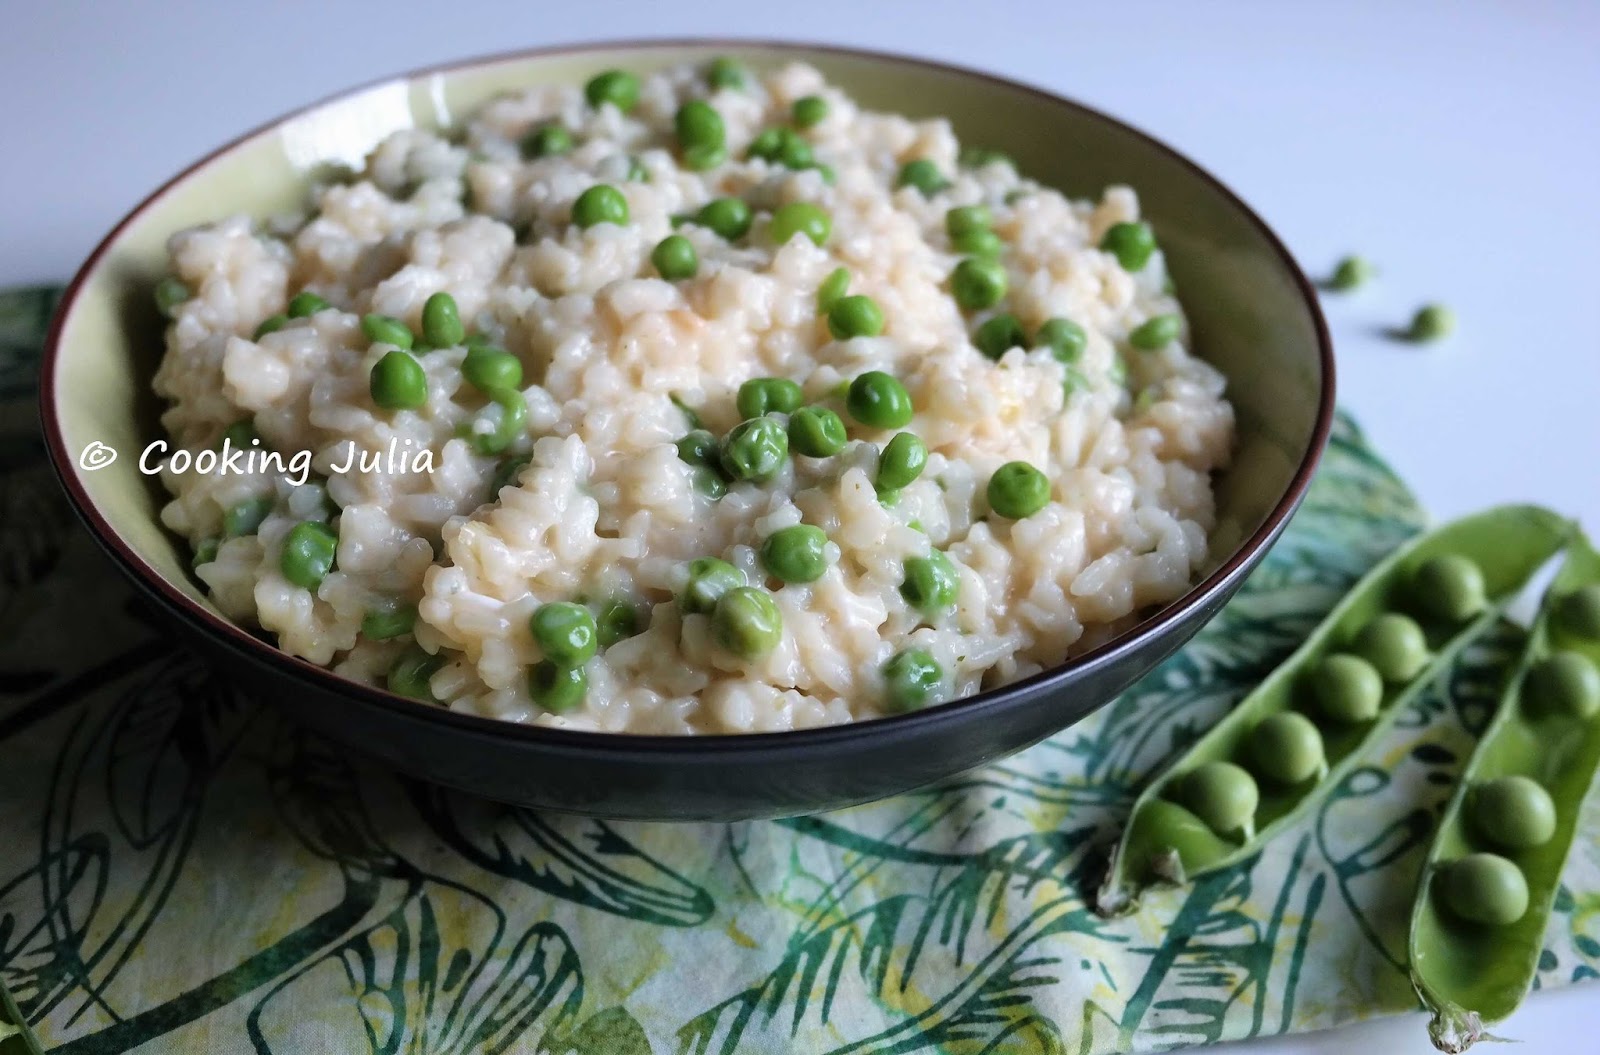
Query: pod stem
(1455, 1029)
(1114, 898)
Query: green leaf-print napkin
(183, 871)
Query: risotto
(697, 402)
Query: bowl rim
(709, 745)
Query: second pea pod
(1483, 899)
(1291, 739)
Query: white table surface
(1455, 144)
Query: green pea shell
(1509, 544)
(1471, 971)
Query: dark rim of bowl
(960, 710)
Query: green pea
(767, 145)
(911, 680)
(499, 424)
(796, 554)
(768, 395)
(308, 553)
(271, 324)
(729, 217)
(699, 125)
(1222, 795)
(388, 621)
(999, 335)
(1484, 888)
(555, 688)
(709, 578)
(601, 203)
(708, 480)
(246, 517)
(674, 258)
(1017, 490)
(1351, 272)
(922, 174)
(833, 288)
(809, 110)
(490, 368)
(704, 159)
(699, 447)
(755, 450)
(931, 583)
(724, 72)
(978, 283)
(441, 321)
(879, 401)
(829, 176)
(1563, 683)
(1347, 689)
(618, 621)
(794, 153)
(855, 316)
(964, 218)
(1131, 243)
(1066, 339)
(205, 551)
(981, 243)
(169, 293)
(617, 87)
(1287, 748)
(1156, 332)
(412, 671)
(902, 460)
(386, 329)
(241, 434)
(505, 475)
(816, 432)
(398, 382)
(1430, 323)
(1395, 646)
(1449, 588)
(565, 632)
(978, 157)
(547, 141)
(800, 217)
(747, 623)
(1577, 614)
(1512, 813)
(306, 304)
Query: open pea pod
(1168, 841)
(1546, 735)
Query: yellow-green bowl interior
(1252, 314)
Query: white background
(1455, 144)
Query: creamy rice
(606, 509)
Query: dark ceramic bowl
(1253, 313)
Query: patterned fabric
(181, 870)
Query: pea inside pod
(1484, 898)
(1329, 685)
(1577, 614)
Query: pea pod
(1165, 839)
(1470, 973)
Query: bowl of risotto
(689, 430)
